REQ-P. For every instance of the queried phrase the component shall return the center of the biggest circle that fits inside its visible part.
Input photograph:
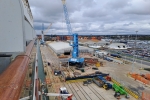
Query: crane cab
(63, 90)
(71, 43)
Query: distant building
(117, 46)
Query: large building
(62, 47)
(118, 46)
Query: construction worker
(49, 64)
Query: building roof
(117, 46)
(60, 47)
(92, 42)
(88, 40)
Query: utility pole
(134, 52)
(128, 37)
(136, 39)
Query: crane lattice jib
(42, 28)
(45, 31)
(67, 18)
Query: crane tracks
(81, 92)
(96, 92)
(70, 90)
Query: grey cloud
(128, 24)
(93, 16)
(94, 13)
(139, 7)
(117, 4)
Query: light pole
(133, 64)
(91, 37)
(136, 39)
(136, 42)
(134, 52)
(141, 65)
(128, 37)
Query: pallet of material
(62, 56)
(91, 60)
(86, 76)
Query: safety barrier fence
(141, 78)
(135, 95)
(27, 83)
(12, 79)
(147, 76)
(91, 60)
(145, 96)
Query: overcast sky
(93, 16)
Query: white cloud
(93, 16)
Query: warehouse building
(63, 47)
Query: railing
(12, 79)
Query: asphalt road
(136, 60)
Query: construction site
(98, 79)
(68, 67)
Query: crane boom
(67, 17)
(45, 31)
(75, 53)
(42, 33)
(57, 94)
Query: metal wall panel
(4, 62)
(11, 26)
(34, 33)
(28, 31)
(27, 13)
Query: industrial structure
(118, 46)
(44, 32)
(38, 69)
(17, 32)
(75, 59)
(67, 17)
(63, 47)
(20, 31)
(17, 40)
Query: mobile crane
(75, 52)
(44, 31)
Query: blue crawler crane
(79, 62)
(75, 53)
